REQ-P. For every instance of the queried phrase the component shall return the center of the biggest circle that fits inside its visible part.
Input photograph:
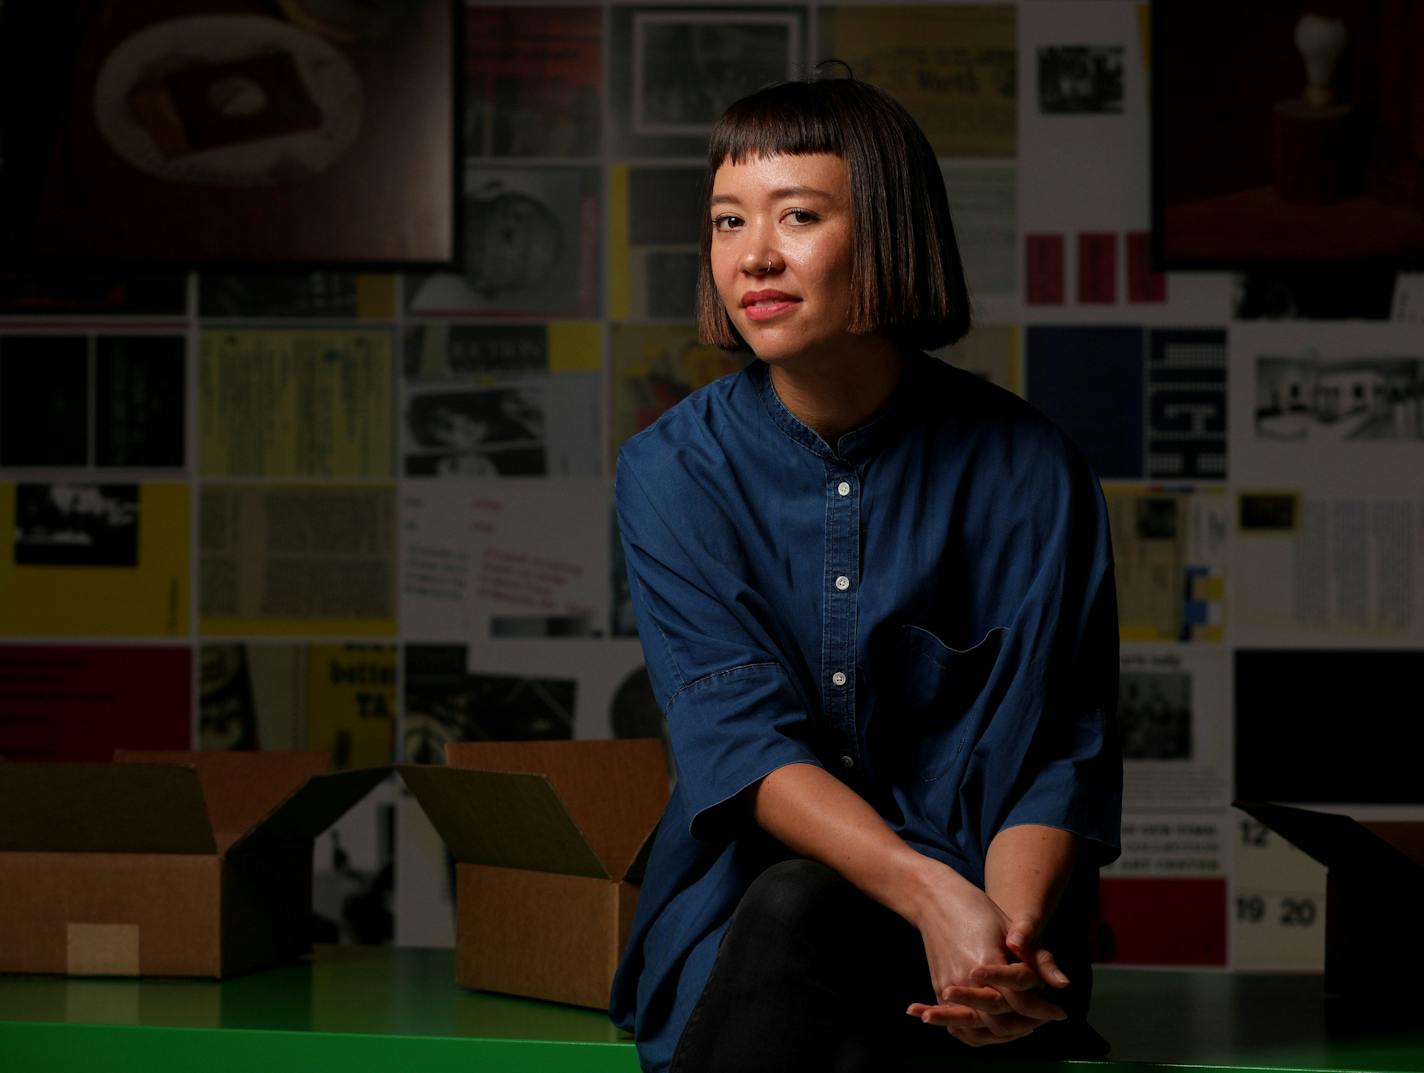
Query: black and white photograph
(76, 525)
(445, 702)
(1080, 79)
(530, 242)
(673, 69)
(353, 874)
(44, 400)
(486, 432)
(689, 65)
(1326, 401)
(1154, 715)
(538, 428)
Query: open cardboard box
(550, 839)
(1374, 888)
(164, 863)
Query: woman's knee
(792, 896)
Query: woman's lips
(763, 305)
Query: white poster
(1340, 405)
(1338, 569)
(1174, 719)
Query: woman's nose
(761, 259)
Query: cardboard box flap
(102, 808)
(241, 788)
(1336, 841)
(614, 790)
(312, 809)
(504, 819)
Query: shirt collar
(859, 443)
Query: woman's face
(781, 253)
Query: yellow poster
(95, 559)
(296, 402)
(657, 365)
(284, 559)
(1169, 550)
(351, 703)
(954, 68)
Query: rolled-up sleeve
(1071, 775)
(734, 712)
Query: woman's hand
(966, 934)
(986, 968)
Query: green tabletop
(354, 1009)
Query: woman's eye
(726, 223)
(801, 216)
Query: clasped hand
(988, 970)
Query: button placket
(838, 641)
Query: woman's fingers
(1022, 941)
(1033, 1004)
(1018, 977)
(946, 1015)
(1009, 1025)
(986, 999)
(1047, 968)
(963, 1021)
(992, 1000)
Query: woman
(876, 599)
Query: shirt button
(847, 761)
(843, 488)
(843, 583)
(839, 678)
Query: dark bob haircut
(907, 280)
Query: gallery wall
(369, 513)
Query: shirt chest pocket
(939, 696)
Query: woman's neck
(833, 395)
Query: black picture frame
(1220, 72)
(372, 185)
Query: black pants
(814, 975)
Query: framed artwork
(201, 133)
(1285, 133)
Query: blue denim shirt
(925, 609)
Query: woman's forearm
(818, 816)
(1026, 869)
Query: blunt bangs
(907, 279)
(787, 119)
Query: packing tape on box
(102, 950)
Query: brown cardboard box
(550, 839)
(1374, 887)
(166, 864)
